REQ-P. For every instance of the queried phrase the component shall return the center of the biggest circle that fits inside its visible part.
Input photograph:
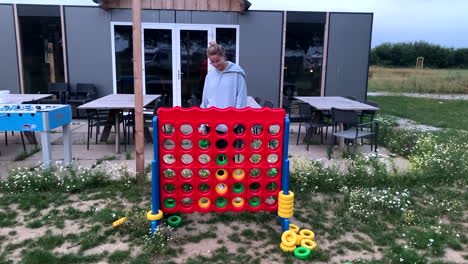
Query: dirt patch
(454, 256)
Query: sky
(443, 22)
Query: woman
(225, 83)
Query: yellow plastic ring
(286, 197)
(221, 174)
(294, 228)
(119, 222)
(289, 238)
(284, 211)
(238, 174)
(299, 240)
(287, 249)
(308, 244)
(307, 234)
(221, 188)
(237, 202)
(288, 207)
(283, 202)
(285, 215)
(204, 202)
(150, 216)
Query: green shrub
(55, 178)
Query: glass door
(158, 63)
(193, 64)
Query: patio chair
(60, 91)
(85, 92)
(268, 104)
(258, 100)
(22, 139)
(129, 121)
(292, 109)
(96, 119)
(305, 115)
(354, 129)
(193, 101)
(368, 115)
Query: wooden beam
(191, 5)
(156, 4)
(146, 4)
(19, 50)
(224, 5)
(213, 5)
(283, 54)
(202, 4)
(64, 43)
(324, 56)
(235, 6)
(167, 4)
(180, 4)
(138, 90)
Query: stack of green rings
(302, 253)
(174, 221)
(238, 187)
(221, 159)
(254, 201)
(221, 202)
(169, 203)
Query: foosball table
(40, 118)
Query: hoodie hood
(233, 68)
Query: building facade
(283, 53)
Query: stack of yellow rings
(288, 241)
(302, 238)
(150, 216)
(285, 204)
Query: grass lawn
(410, 80)
(367, 213)
(433, 112)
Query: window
(304, 53)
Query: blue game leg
(285, 171)
(155, 195)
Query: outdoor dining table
(252, 103)
(22, 98)
(116, 103)
(326, 103)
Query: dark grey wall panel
(184, 17)
(125, 15)
(206, 17)
(89, 47)
(121, 15)
(9, 75)
(38, 10)
(167, 16)
(260, 52)
(150, 16)
(348, 55)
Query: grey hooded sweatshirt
(225, 88)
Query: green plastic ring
(204, 143)
(169, 203)
(238, 187)
(255, 201)
(221, 202)
(174, 220)
(302, 253)
(223, 161)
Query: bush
(55, 178)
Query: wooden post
(138, 90)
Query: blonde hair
(215, 49)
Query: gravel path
(434, 96)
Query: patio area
(106, 151)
